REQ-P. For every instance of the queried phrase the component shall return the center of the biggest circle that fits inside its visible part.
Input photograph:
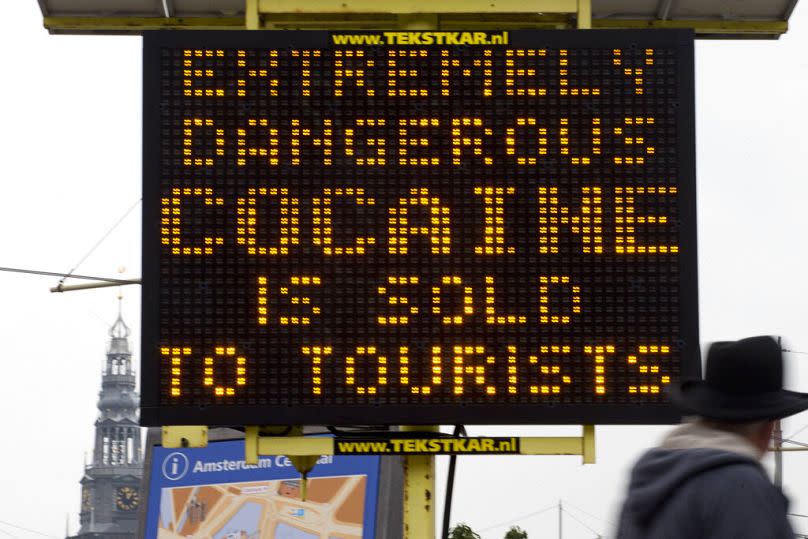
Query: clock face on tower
(126, 499)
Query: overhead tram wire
(58, 274)
(29, 530)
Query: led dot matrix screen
(417, 227)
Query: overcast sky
(70, 124)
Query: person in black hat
(705, 479)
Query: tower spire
(111, 482)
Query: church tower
(110, 488)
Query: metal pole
(447, 506)
(560, 520)
(778, 443)
(778, 454)
(87, 286)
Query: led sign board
(417, 227)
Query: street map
(333, 509)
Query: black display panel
(417, 227)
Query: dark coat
(700, 494)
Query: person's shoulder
(740, 471)
(738, 484)
(711, 472)
(740, 494)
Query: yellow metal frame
(419, 470)
(419, 492)
(702, 27)
(139, 24)
(293, 444)
(459, 16)
(185, 436)
(584, 14)
(266, 7)
(405, 14)
(562, 445)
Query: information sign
(212, 492)
(417, 227)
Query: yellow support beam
(296, 445)
(562, 445)
(417, 6)
(185, 436)
(551, 445)
(252, 17)
(467, 19)
(417, 21)
(251, 440)
(387, 21)
(139, 24)
(699, 25)
(419, 491)
(584, 14)
(589, 444)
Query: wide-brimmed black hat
(743, 382)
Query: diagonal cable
(516, 519)
(795, 442)
(581, 522)
(799, 431)
(99, 242)
(587, 513)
